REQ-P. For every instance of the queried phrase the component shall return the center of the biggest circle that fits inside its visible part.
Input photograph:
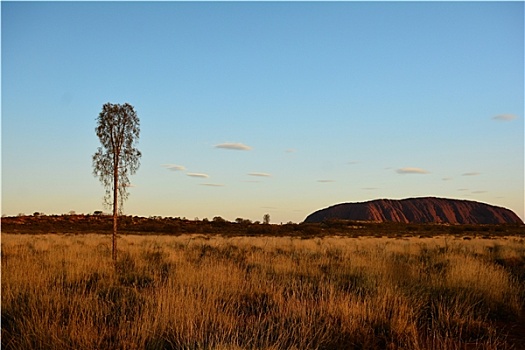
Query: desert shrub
(156, 264)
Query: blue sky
(267, 107)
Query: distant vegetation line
(100, 223)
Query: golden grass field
(202, 292)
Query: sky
(253, 108)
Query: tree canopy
(118, 129)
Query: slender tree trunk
(115, 211)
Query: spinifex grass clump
(192, 292)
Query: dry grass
(198, 292)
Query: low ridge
(418, 210)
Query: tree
(118, 129)
(219, 220)
(266, 219)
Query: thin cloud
(411, 171)
(174, 167)
(130, 185)
(233, 146)
(479, 192)
(446, 179)
(325, 181)
(198, 175)
(213, 185)
(260, 174)
(473, 173)
(462, 189)
(290, 150)
(369, 188)
(504, 117)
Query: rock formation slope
(418, 210)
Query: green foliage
(118, 129)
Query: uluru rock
(418, 210)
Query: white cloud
(197, 175)
(260, 174)
(213, 185)
(411, 171)
(233, 146)
(473, 173)
(174, 167)
(505, 117)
